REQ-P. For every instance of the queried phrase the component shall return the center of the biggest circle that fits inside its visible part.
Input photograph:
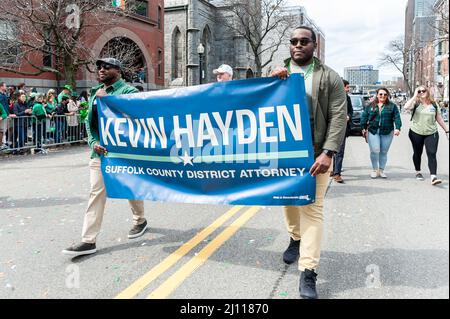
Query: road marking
(177, 278)
(156, 271)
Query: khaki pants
(305, 223)
(96, 207)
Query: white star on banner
(187, 159)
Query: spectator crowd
(29, 119)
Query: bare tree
(128, 53)
(440, 23)
(262, 23)
(397, 55)
(51, 35)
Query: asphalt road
(382, 239)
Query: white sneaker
(436, 181)
(382, 174)
(374, 174)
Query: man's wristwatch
(328, 153)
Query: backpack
(417, 105)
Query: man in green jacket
(109, 71)
(327, 105)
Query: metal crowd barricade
(19, 133)
(27, 132)
(63, 129)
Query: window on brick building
(9, 48)
(439, 68)
(140, 7)
(160, 58)
(439, 49)
(159, 17)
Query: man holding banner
(109, 71)
(328, 111)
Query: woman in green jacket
(378, 120)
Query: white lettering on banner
(134, 138)
(250, 127)
(205, 121)
(130, 170)
(202, 174)
(224, 128)
(296, 129)
(134, 170)
(160, 132)
(105, 131)
(188, 130)
(274, 172)
(241, 129)
(211, 174)
(118, 132)
(263, 125)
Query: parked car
(359, 102)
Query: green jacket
(50, 107)
(118, 88)
(329, 104)
(384, 121)
(3, 114)
(39, 112)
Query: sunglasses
(421, 91)
(105, 66)
(302, 41)
(382, 94)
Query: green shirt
(424, 120)
(118, 88)
(307, 71)
(39, 112)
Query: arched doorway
(249, 74)
(128, 52)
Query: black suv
(359, 102)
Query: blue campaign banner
(245, 142)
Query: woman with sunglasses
(378, 120)
(425, 113)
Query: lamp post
(200, 51)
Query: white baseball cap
(224, 68)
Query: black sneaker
(292, 252)
(137, 230)
(307, 285)
(419, 176)
(80, 249)
(435, 181)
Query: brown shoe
(338, 179)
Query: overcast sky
(357, 31)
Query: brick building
(144, 30)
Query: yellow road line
(156, 271)
(177, 278)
